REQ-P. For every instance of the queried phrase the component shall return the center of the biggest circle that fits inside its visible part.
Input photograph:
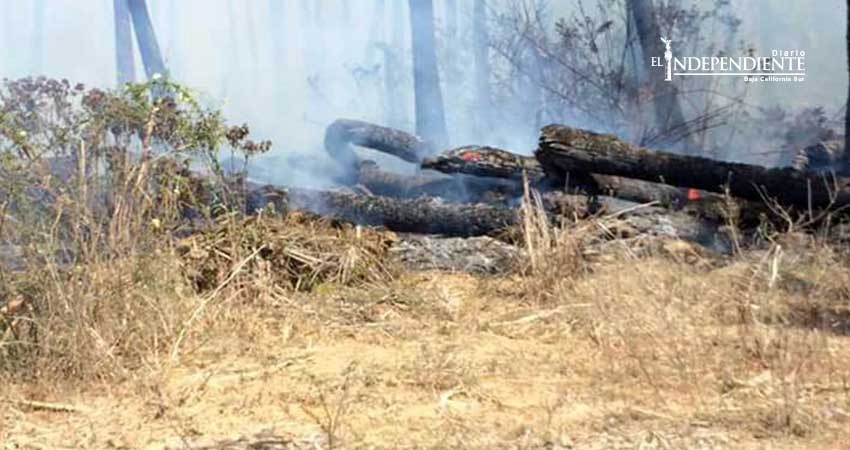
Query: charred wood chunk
(564, 148)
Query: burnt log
(564, 148)
(497, 163)
(430, 216)
(420, 215)
(342, 134)
(485, 161)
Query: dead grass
(297, 334)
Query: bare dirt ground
(638, 353)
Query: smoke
(289, 70)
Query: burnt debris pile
(478, 190)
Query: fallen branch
(46, 406)
(342, 134)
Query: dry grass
(644, 349)
(294, 330)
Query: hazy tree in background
(430, 116)
(481, 48)
(451, 65)
(668, 112)
(146, 38)
(394, 74)
(846, 159)
(124, 60)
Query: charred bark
(569, 149)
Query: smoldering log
(429, 216)
(497, 163)
(485, 161)
(420, 215)
(342, 134)
(564, 148)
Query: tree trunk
(669, 118)
(124, 61)
(394, 73)
(427, 216)
(423, 215)
(430, 115)
(146, 37)
(452, 64)
(846, 169)
(498, 163)
(481, 57)
(568, 149)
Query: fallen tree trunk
(422, 215)
(343, 133)
(498, 163)
(429, 216)
(569, 149)
(485, 161)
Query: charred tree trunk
(485, 161)
(146, 37)
(403, 215)
(481, 42)
(427, 216)
(498, 163)
(568, 149)
(430, 114)
(668, 111)
(124, 61)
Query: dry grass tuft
(295, 252)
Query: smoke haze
(290, 70)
